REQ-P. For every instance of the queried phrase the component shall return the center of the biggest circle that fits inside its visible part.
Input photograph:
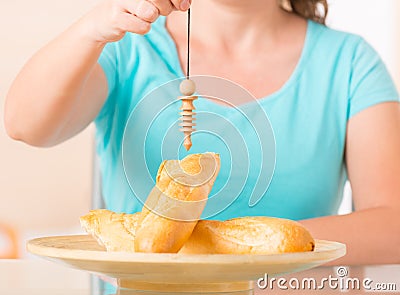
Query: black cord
(188, 47)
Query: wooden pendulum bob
(187, 88)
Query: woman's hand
(110, 20)
(46, 116)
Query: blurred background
(44, 191)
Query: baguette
(175, 204)
(114, 231)
(246, 235)
(249, 235)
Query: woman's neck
(222, 23)
(251, 42)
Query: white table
(40, 277)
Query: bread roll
(174, 206)
(116, 232)
(248, 235)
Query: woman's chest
(262, 71)
(260, 76)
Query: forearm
(61, 89)
(45, 93)
(372, 236)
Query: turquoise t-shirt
(296, 162)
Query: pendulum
(187, 118)
(187, 88)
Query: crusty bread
(175, 204)
(248, 235)
(116, 232)
(169, 221)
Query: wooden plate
(179, 272)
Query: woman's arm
(62, 88)
(372, 232)
(60, 82)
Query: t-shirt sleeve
(370, 81)
(108, 61)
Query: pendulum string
(187, 88)
(188, 47)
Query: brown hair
(315, 10)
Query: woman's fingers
(167, 6)
(141, 13)
(147, 11)
(181, 4)
(143, 9)
(178, 4)
(133, 24)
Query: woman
(332, 105)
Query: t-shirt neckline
(293, 78)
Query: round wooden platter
(179, 272)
